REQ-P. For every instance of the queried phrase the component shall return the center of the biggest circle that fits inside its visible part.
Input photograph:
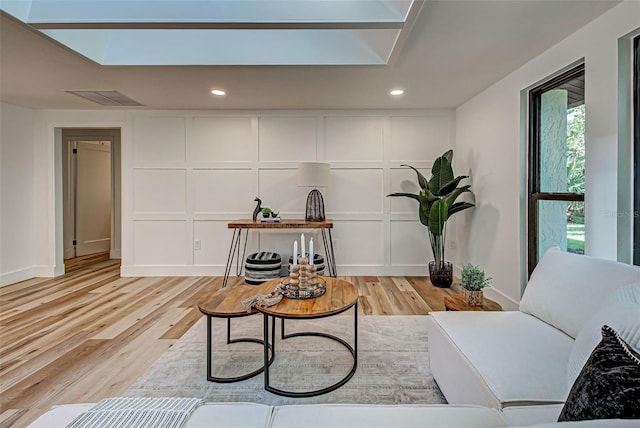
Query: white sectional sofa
(251, 415)
(530, 357)
(496, 369)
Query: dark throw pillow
(608, 387)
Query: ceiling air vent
(106, 98)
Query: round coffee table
(227, 303)
(339, 297)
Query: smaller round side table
(226, 303)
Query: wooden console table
(245, 224)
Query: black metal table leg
(268, 360)
(353, 350)
(235, 239)
(333, 256)
(268, 346)
(234, 253)
(328, 250)
(240, 261)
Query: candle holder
(306, 273)
(294, 281)
(303, 282)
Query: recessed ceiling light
(396, 92)
(218, 92)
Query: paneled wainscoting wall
(185, 175)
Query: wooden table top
(282, 224)
(454, 303)
(340, 295)
(227, 302)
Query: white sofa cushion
(546, 416)
(621, 311)
(627, 294)
(381, 416)
(61, 416)
(565, 289)
(231, 415)
(213, 415)
(498, 358)
(596, 423)
(523, 416)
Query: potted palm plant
(436, 204)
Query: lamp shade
(313, 174)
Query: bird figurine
(258, 208)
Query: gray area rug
(393, 363)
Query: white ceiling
(454, 50)
(223, 32)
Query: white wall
(17, 194)
(187, 174)
(490, 143)
(47, 155)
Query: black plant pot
(441, 276)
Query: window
(556, 165)
(636, 150)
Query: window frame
(636, 150)
(534, 194)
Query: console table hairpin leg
(328, 250)
(235, 248)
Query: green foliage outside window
(575, 178)
(575, 157)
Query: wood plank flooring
(90, 333)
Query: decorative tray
(314, 289)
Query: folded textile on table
(133, 412)
(263, 300)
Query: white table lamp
(314, 174)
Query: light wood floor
(90, 334)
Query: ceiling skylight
(224, 32)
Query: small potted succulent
(473, 281)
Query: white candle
(302, 249)
(311, 252)
(295, 253)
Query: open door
(88, 196)
(93, 197)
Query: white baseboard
(507, 303)
(218, 270)
(44, 271)
(177, 270)
(364, 270)
(26, 273)
(16, 276)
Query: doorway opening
(91, 192)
